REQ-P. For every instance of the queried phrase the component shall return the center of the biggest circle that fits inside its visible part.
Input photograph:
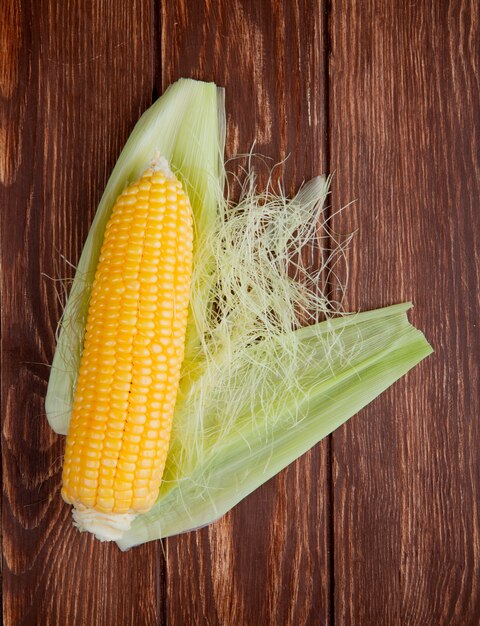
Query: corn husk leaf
(186, 126)
(331, 387)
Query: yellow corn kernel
(120, 427)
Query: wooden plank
(405, 111)
(266, 562)
(75, 78)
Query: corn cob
(125, 395)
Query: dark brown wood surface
(404, 130)
(378, 525)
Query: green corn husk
(330, 390)
(254, 393)
(183, 126)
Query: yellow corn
(125, 395)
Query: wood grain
(74, 79)
(267, 561)
(404, 132)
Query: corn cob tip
(105, 526)
(160, 164)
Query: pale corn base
(105, 526)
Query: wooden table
(379, 525)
